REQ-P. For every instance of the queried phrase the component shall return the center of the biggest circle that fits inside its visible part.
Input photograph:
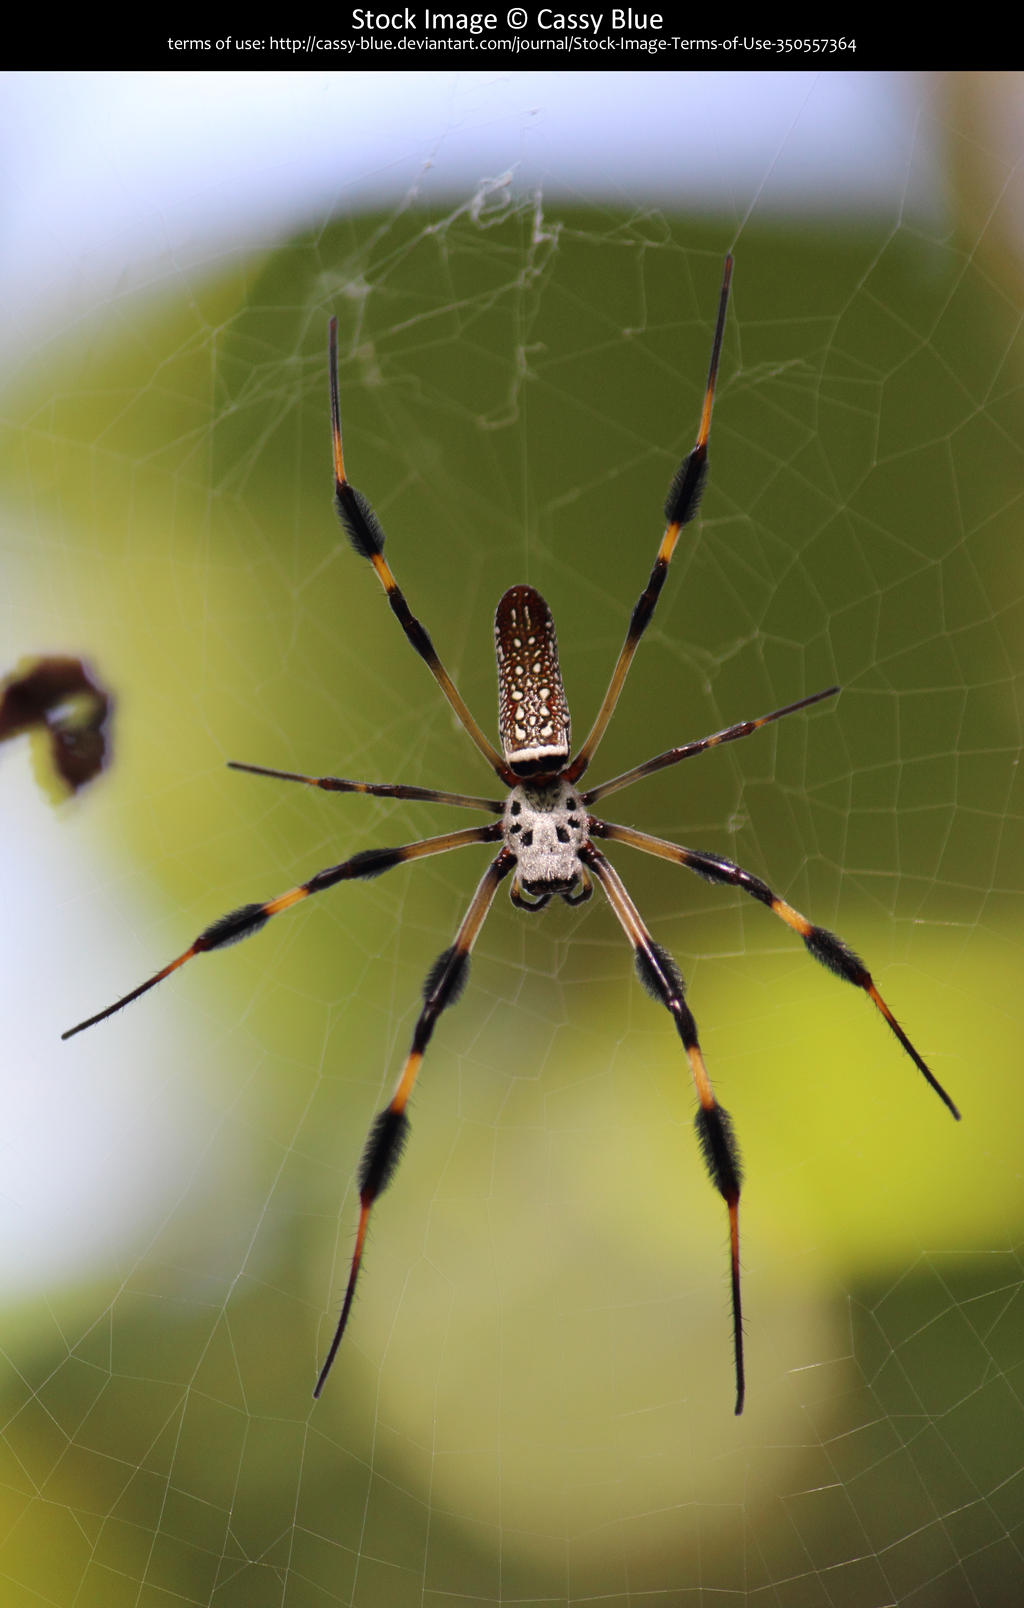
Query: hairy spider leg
(672, 756)
(247, 919)
(366, 534)
(680, 506)
(660, 976)
(833, 952)
(339, 784)
(389, 1130)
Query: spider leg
(338, 784)
(833, 953)
(672, 756)
(367, 537)
(660, 975)
(389, 1130)
(680, 506)
(241, 923)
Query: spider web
(533, 1402)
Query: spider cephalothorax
(546, 836)
(545, 827)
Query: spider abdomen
(533, 714)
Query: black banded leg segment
(340, 784)
(660, 975)
(672, 756)
(366, 534)
(248, 919)
(832, 951)
(389, 1130)
(681, 505)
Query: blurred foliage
(534, 1400)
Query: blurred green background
(534, 1401)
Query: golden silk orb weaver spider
(546, 837)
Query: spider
(547, 837)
